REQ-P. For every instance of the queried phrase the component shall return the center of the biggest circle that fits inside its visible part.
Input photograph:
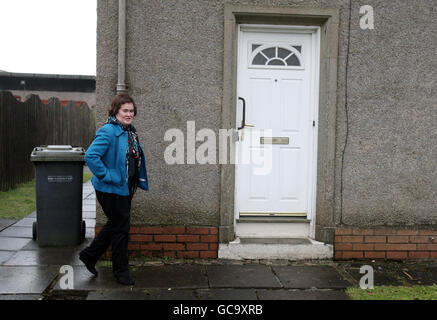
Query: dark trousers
(115, 232)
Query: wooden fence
(29, 124)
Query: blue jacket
(106, 158)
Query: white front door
(277, 79)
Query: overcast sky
(48, 36)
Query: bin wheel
(82, 231)
(34, 234)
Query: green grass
(394, 293)
(21, 201)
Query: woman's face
(125, 114)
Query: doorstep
(297, 248)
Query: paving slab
(90, 223)
(19, 232)
(286, 294)
(26, 279)
(89, 202)
(13, 244)
(226, 294)
(88, 207)
(4, 223)
(21, 297)
(32, 215)
(85, 281)
(44, 257)
(5, 256)
(90, 233)
(242, 276)
(143, 294)
(88, 214)
(33, 245)
(25, 222)
(171, 276)
(303, 277)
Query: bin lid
(57, 153)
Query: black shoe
(88, 264)
(126, 280)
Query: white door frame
(314, 103)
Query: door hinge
(314, 123)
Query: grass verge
(21, 201)
(394, 293)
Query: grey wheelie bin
(59, 178)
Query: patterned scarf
(133, 156)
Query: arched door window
(276, 56)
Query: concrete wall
(386, 115)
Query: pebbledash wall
(377, 173)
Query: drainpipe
(121, 82)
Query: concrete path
(30, 272)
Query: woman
(117, 162)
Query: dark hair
(119, 100)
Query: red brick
(173, 246)
(418, 254)
(146, 253)
(433, 254)
(343, 246)
(174, 230)
(362, 246)
(374, 254)
(151, 246)
(395, 247)
(420, 239)
(397, 239)
(210, 238)
(165, 238)
(197, 246)
(428, 232)
(134, 230)
(375, 239)
(404, 232)
(432, 247)
(343, 231)
(362, 232)
(352, 254)
(188, 238)
(208, 254)
(213, 231)
(169, 254)
(338, 239)
(141, 238)
(133, 246)
(354, 239)
(195, 230)
(338, 255)
(213, 246)
(397, 255)
(188, 254)
(151, 230)
(384, 232)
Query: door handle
(243, 121)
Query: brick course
(384, 243)
(172, 241)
